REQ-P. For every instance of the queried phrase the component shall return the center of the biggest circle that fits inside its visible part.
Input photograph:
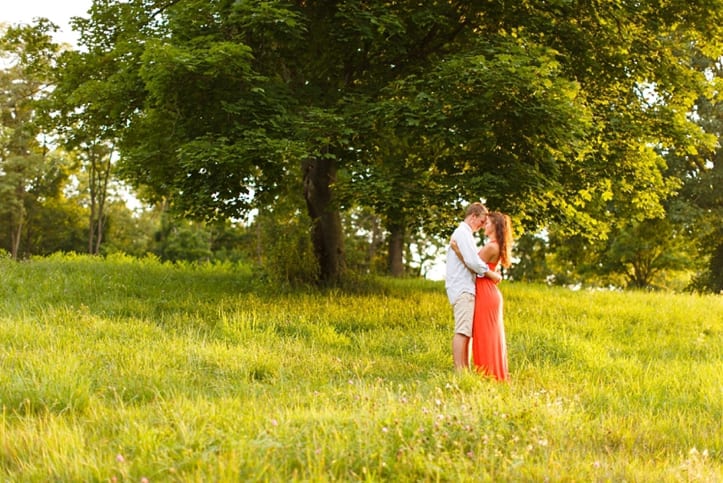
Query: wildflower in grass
(119, 458)
(385, 429)
(274, 422)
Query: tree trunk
(99, 175)
(396, 250)
(102, 195)
(376, 242)
(92, 173)
(715, 269)
(326, 232)
(91, 231)
(17, 229)
(16, 235)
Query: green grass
(124, 369)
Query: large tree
(698, 208)
(539, 107)
(27, 172)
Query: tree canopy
(559, 112)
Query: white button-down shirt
(458, 278)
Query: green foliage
(364, 241)
(173, 238)
(186, 242)
(699, 205)
(642, 250)
(565, 114)
(35, 216)
(650, 254)
(530, 259)
(129, 368)
(27, 175)
(712, 280)
(283, 247)
(56, 225)
(129, 232)
(651, 143)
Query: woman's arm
(485, 254)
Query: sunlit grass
(125, 369)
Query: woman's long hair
(503, 232)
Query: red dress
(489, 348)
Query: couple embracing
(471, 282)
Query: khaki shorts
(463, 314)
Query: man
(460, 280)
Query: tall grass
(123, 369)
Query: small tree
(643, 251)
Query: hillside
(131, 369)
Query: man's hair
(476, 208)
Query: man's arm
(470, 257)
(492, 275)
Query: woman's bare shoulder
(490, 252)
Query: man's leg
(463, 316)
(460, 351)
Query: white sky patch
(58, 11)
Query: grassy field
(125, 370)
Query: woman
(489, 348)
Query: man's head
(475, 216)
